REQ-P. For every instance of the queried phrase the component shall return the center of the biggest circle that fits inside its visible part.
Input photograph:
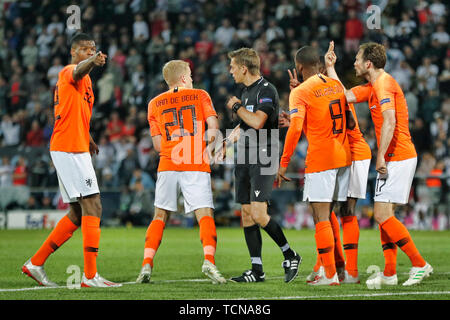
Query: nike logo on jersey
(257, 192)
(266, 84)
(373, 107)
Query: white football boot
(416, 274)
(350, 279)
(324, 281)
(98, 282)
(380, 279)
(38, 274)
(315, 275)
(211, 271)
(145, 274)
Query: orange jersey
(73, 103)
(359, 148)
(179, 116)
(320, 104)
(386, 94)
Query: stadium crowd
(139, 36)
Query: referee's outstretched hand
(281, 175)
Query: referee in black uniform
(257, 161)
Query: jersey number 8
(335, 116)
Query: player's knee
(75, 214)
(347, 211)
(92, 205)
(380, 217)
(260, 217)
(247, 219)
(160, 215)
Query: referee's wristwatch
(236, 107)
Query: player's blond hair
(246, 57)
(173, 70)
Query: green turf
(180, 257)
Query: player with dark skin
(71, 150)
(86, 58)
(346, 209)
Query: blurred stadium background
(139, 36)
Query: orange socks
(390, 254)
(398, 233)
(90, 227)
(338, 252)
(60, 234)
(350, 230)
(325, 247)
(153, 238)
(208, 237)
(318, 264)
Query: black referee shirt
(260, 95)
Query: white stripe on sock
(256, 260)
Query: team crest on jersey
(89, 182)
(257, 192)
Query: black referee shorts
(251, 185)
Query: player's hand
(330, 56)
(381, 165)
(284, 120)
(99, 59)
(93, 148)
(293, 79)
(221, 154)
(232, 101)
(281, 175)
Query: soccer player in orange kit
(71, 148)
(318, 107)
(396, 158)
(177, 121)
(347, 267)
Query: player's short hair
(374, 52)
(173, 70)
(246, 57)
(307, 56)
(76, 39)
(322, 67)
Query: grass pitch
(177, 271)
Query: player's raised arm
(293, 79)
(330, 61)
(85, 67)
